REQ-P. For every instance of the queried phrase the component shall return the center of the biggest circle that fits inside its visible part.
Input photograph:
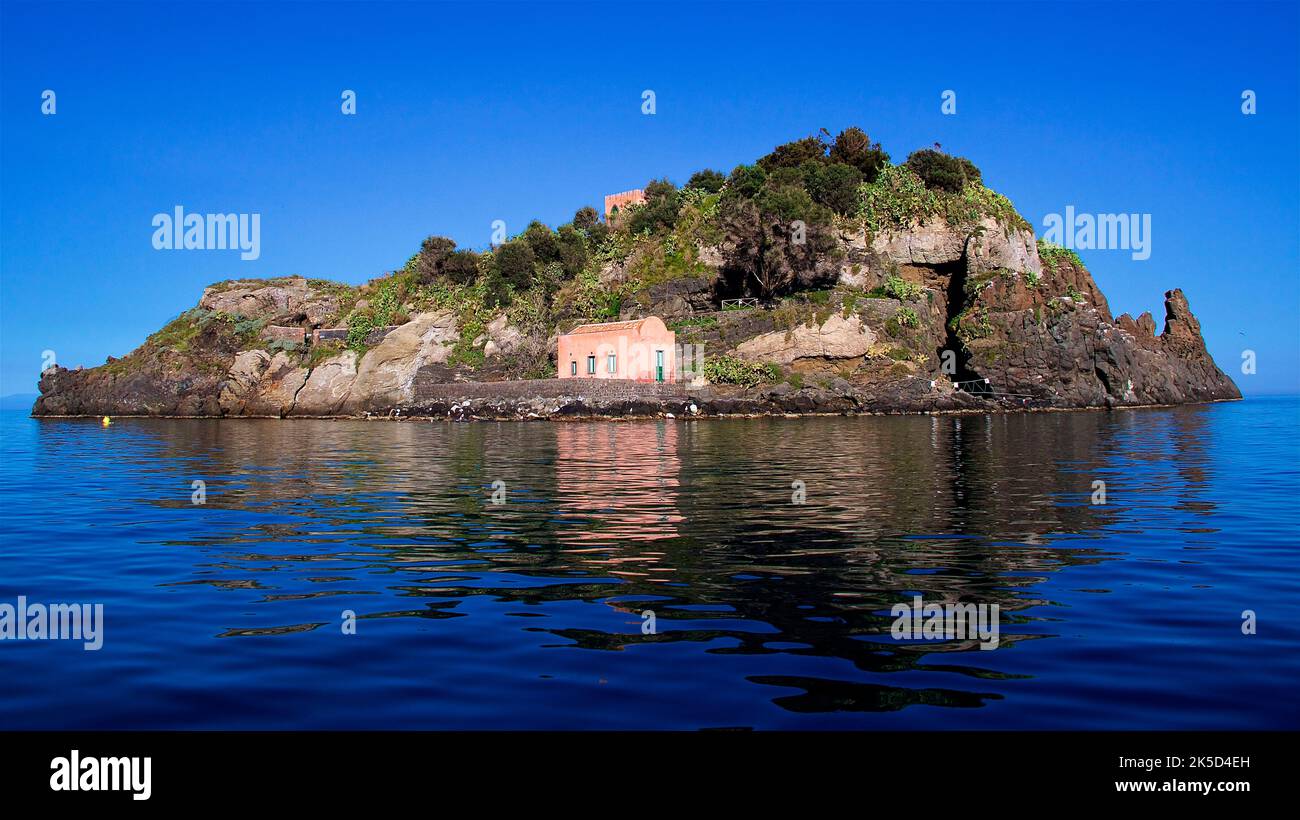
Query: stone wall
(599, 389)
(373, 338)
(328, 333)
(279, 333)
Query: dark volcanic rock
(146, 392)
(157, 379)
(1067, 351)
(676, 297)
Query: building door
(659, 365)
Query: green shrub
(572, 248)
(835, 186)
(460, 267)
(438, 259)
(907, 317)
(849, 298)
(896, 287)
(585, 217)
(694, 321)
(943, 172)
(179, 332)
(1052, 254)
(663, 257)
(325, 350)
(585, 299)
(854, 147)
(788, 202)
(248, 327)
(896, 199)
(466, 354)
(707, 180)
(746, 181)
(899, 198)
(977, 201)
(497, 292)
(731, 370)
(428, 260)
(548, 278)
(542, 241)
(970, 326)
(659, 211)
(759, 256)
(597, 236)
(697, 221)
(794, 154)
(359, 327)
(974, 176)
(384, 309)
(515, 263)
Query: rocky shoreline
(704, 403)
(405, 376)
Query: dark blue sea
(530, 614)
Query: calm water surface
(769, 614)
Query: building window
(612, 363)
(573, 368)
(591, 365)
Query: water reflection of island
(695, 520)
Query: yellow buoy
(106, 421)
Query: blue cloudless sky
(471, 113)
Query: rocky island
(823, 278)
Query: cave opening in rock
(952, 275)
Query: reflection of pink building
(641, 350)
(628, 494)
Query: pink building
(641, 350)
(622, 200)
